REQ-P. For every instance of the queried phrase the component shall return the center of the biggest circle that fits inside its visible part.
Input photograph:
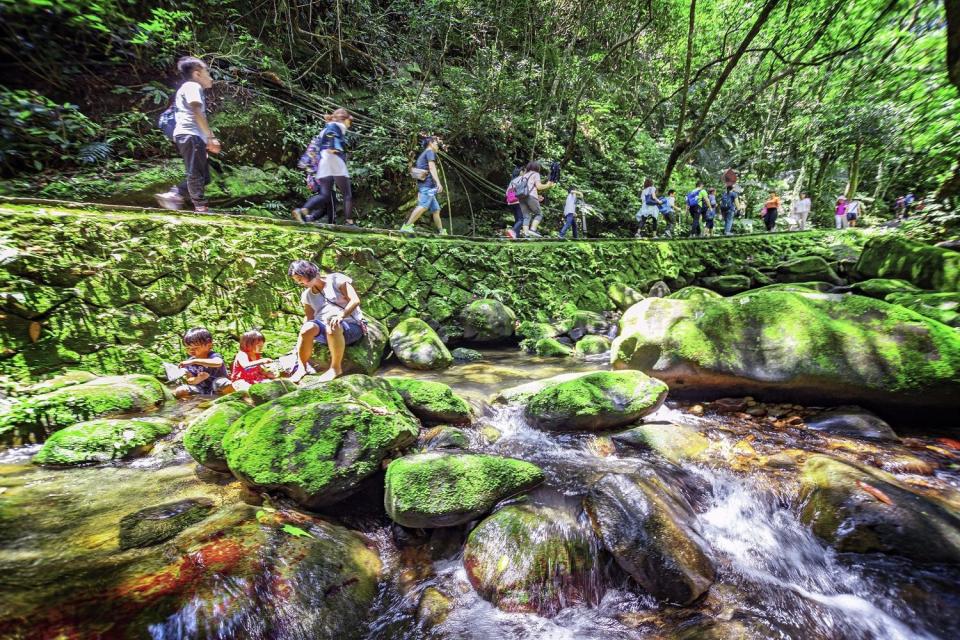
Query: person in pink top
(841, 215)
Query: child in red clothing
(248, 365)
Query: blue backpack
(167, 121)
(693, 198)
(728, 202)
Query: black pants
(326, 189)
(517, 219)
(319, 207)
(695, 220)
(193, 150)
(770, 219)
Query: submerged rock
(551, 348)
(488, 320)
(432, 402)
(600, 400)
(592, 346)
(418, 346)
(203, 438)
(433, 607)
(622, 296)
(649, 530)
(800, 346)
(101, 441)
(806, 269)
(34, 418)
(317, 444)
(462, 354)
(446, 489)
(532, 559)
(894, 256)
(853, 423)
(675, 442)
(862, 510)
(154, 525)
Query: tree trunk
(854, 178)
(953, 40)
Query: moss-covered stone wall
(112, 291)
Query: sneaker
(407, 228)
(533, 234)
(201, 209)
(299, 214)
(511, 234)
(443, 232)
(170, 200)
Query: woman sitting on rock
(333, 317)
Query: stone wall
(112, 291)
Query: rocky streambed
(517, 496)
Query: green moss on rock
(882, 287)
(488, 320)
(317, 444)
(806, 269)
(551, 348)
(444, 489)
(622, 296)
(675, 442)
(154, 525)
(727, 285)
(893, 256)
(432, 402)
(694, 293)
(65, 379)
(462, 354)
(601, 400)
(203, 438)
(592, 346)
(34, 418)
(100, 441)
(418, 346)
(942, 307)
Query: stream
(59, 554)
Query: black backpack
(727, 202)
(167, 121)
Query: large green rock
(154, 525)
(487, 320)
(532, 559)
(865, 510)
(649, 528)
(418, 346)
(796, 346)
(600, 400)
(592, 346)
(806, 269)
(317, 444)
(942, 307)
(552, 348)
(622, 296)
(432, 402)
(34, 418)
(893, 256)
(882, 287)
(523, 392)
(363, 356)
(446, 489)
(101, 440)
(65, 379)
(694, 293)
(726, 285)
(203, 438)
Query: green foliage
(36, 131)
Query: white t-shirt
(188, 93)
(649, 191)
(570, 206)
(330, 301)
(853, 207)
(802, 206)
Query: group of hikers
(325, 164)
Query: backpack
(520, 186)
(727, 202)
(167, 121)
(693, 198)
(649, 200)
(512, 194)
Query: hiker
(649, 208)
(899, 207)
(841, 213)
(728, 208)
(527, 187)
(669, 212)
(570, 213)
(770, 209)
(697, 203)
(908, 205)
(424, 171)
(192, 135)
(801, 211)
(710, 215)
(331, 307)
(330, 145)
(854, 208)
(314, 208)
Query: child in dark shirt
(206, 373)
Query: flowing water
(60, 559)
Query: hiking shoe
(532, 234)
(300, 215)
(407, 228)
(442, 232)
(511, 234)
(199, 208)
(170, 200)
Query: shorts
(331, 164)
(427, 198)
(218, 385)
(352, 330)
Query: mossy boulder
(65, 379)
(317, 444)
(487, 320)
(796, 287)
(532, 330)
(942, 307)
(694, 293)
(203, 438)
(893, 256)
(432, 402)
(649, 528)
(863, 510)
(582, 323)
(363, 356)
(446, 489)
(532, 559)
(34, 418)
(268, 390)
(154, 525)
(418, 346)
(727, 285)
(806, 269)
(101, 440)
(882, 287)
(523, 392)
(794, 346)
(622, 296)
(675, 442)
(552, 348)
(600, 400)
(462, 354)
(592, 346)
